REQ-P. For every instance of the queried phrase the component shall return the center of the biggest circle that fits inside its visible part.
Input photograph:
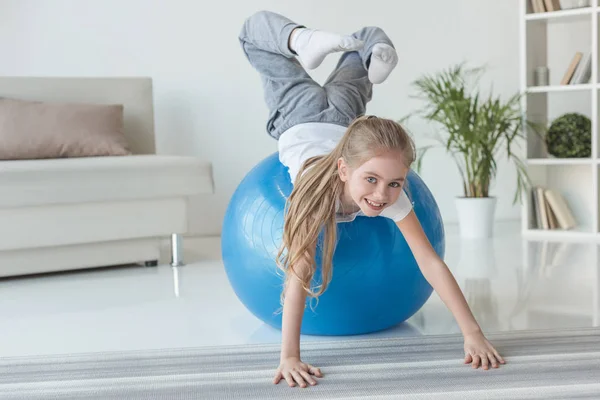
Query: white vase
(476, 216)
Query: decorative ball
(570, 136)
(376, 281)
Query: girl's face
(374, 185)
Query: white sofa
(74, 213)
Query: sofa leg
(151, 263)
(176, 250)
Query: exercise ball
(376, 281)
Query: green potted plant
(476, 130)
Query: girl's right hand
(294, 371)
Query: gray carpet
(540, 365)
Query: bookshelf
(551, 39)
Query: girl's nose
(381, 193)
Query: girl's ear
(342, 169)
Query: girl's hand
(479, 351)
(294, 371)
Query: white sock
(383, 61)
(312, 46)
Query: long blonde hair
(311, 207)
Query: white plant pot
(476, 216)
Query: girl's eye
(371, 180)
(394, 184)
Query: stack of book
(540, 6)
(579, 71)
(550, 210)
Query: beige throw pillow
(36, 129)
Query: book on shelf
(560, 209)
(543, 222)
(535, 217)
(541, 6)
(568, 76)
(537, 6)
(549, 210)
(552, 5)
(583, 72)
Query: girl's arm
(293, 310)
(436, 272)
(291, 368)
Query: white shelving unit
(551, 39)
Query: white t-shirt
(303, 141)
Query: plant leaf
(476, 129)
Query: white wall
(209, 101)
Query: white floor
(510, 283)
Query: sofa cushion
(95, 179)
(38, 130)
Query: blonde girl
(343, 164)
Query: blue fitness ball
(376, 281)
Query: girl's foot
(383, 60)
(312, 46)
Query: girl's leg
(264, 39)
(292, 96)
(350, 85)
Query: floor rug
(540, 365)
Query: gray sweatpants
(292, 96)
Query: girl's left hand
(479, 351)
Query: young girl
(343, 165)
